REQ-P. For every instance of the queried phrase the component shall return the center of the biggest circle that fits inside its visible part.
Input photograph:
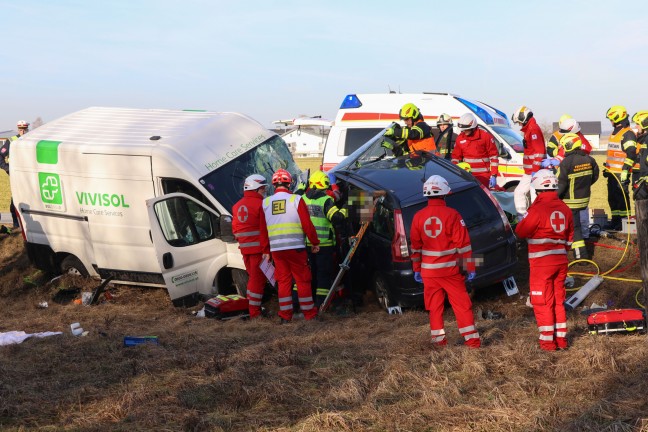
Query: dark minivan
(383, 261)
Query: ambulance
(362, 116)
(141, 195)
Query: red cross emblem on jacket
(433, 227)
(242, 214)
(558, 221)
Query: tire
(383, 293)
(72, 265)
(240, 279)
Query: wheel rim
(74, 271)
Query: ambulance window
(356, 137)
(171, 185)
(184, 223)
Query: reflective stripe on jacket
(283, 223)
(576, 174)
(246, 215)
(548, 228)
(534, 150)
(323, 226)
(440, 241)
(479, 150)
(621, 149)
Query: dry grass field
(366, 371)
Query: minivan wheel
(73, 266)
(383, 293)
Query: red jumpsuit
(440, 245)
(534, 148)
(549, 230)
(480, 151)
(245, 225)
(284, 221)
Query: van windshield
(226, 182)
(512, 137)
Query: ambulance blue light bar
(351, 101)
(479, 111)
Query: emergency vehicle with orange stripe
(363, 116)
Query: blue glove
(332, 178)
(492, 182)
(549, 162)
(417, 277)
(471, 276)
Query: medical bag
(616, 321)
(226, 307)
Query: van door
(188, 245)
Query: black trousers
(617, 197)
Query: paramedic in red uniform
(549, 230)
(284, 221)
(440, 248)
(416, 132)
(245, 225)
(534, 152)
(476, 147)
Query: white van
(142, 196)
(362, 116)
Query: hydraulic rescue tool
(344, 266)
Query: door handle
(167, 260)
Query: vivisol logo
(50, 188)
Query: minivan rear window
(473, 205)
(356, 137)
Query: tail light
(507, 225)
(400, 251)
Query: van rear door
(187, 240)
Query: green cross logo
(50, 188)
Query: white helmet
(22, 124)
(444, 119)
(544, 179)
(436, 186)
(254, 182)
(467, 122)
(522, 115)
(569, 125)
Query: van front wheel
(72, 265)
(240, 279)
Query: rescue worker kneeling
(440, 246)
(284, 221)
(549, 229)
(325, 215)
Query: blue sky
(277, 60)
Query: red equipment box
(226, 307)
(616, 321)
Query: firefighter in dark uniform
(447, 138)
(639, 186)
(621, 157)
(576, 174)
(23, 128)
(416, 136)
(325, 215)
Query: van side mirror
(226, 229)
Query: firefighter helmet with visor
(436, 185)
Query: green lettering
(80, 197)
(105, 200)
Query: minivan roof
(407, 185)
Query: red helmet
(281, 176)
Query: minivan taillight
(400, 252)
(507, 225)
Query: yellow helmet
(319, 180)
(641, 119)
(617, 113)
(465, 166)
(409, 110)
(570, 142)
(564, 117)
